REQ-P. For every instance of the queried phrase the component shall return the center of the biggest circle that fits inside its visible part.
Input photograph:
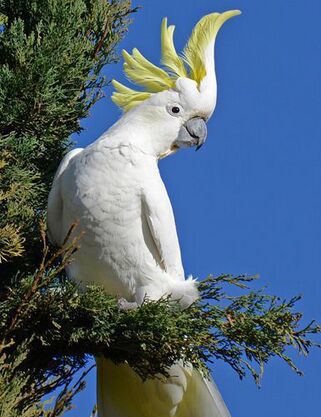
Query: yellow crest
(191, 65)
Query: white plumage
(130, 246)
(130, 243)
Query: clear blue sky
(249, 201)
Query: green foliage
(68, 323)
(21, 392)
(51, 56)
(14, 387)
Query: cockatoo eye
(174, 110)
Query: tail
(121, 393)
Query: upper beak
(192, 133)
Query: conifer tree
(51, 56)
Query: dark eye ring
(175, 109)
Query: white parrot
(114, 189)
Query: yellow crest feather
(154, 79)
(142, 72)
(170, 59)
(203, 34)
(126, 97)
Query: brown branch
(101, 40)
(106, 30)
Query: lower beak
(169, 152)
(192, 133)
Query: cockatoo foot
(123, 304)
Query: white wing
(159, 214)
(55, 202)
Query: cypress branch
(67, 323)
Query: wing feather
(55, 201)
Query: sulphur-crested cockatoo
(114, 190)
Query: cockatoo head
(175, 103)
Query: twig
(44, 265)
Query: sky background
(249, 201)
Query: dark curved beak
(192, 133)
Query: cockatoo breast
(102, 189)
